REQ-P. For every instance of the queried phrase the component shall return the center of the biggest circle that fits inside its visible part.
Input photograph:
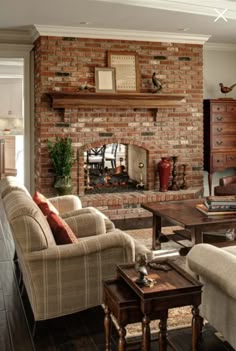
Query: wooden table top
(184, 212)
(168, 283)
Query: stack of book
(218, 205)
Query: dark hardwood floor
(83, 331)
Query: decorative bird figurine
(157, 84)
(141, 268)
(226, 90)
(86, 86)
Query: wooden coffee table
(185, 214)
(173, 287)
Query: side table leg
(146, 333)
(107, 326)
(122, 341)
(163, 331)
(156, 232)
(196, 236)
(196, 327)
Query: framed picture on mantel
(105, 80)
(127, 74)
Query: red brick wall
(66, 63)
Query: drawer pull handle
(219, 118)
(232, 158)
(219, 129)
(217, 161)
(219, 142)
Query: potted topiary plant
(62, 156)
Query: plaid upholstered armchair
(63, 279)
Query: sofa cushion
(44, 204)
(62, 232)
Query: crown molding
(16, 36)
(120, 34)
(219, 47)
(11, 76)
(205, 8)
(14, 49)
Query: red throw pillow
(62, 232)
(44, 204)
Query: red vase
(163, 168)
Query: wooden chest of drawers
(219, 136)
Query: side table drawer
(221, 161)
(224, 129)
(231, 159)
(222, 118)
(218, 107)
(223, 141)
(218, 161)
(231, 108)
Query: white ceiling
(186, 19)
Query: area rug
(145, 236)
(174, 246)
(177, 318)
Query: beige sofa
(216, 269)
(63, 279)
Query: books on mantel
(215, 211)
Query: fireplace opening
(114, 168)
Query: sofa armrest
(108, 223)
(68, 278)
(85, 222)
(66, 203)
(85, 247)
(214, 265)
(90, 223)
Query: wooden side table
(174, 288)
(123, 303)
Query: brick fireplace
(63, 64)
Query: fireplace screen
(114, 167)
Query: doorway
(16, 114)
(12, 115)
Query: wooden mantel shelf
(119, 100)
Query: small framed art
(105, 79)
(126, 65)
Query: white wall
(219, 66)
